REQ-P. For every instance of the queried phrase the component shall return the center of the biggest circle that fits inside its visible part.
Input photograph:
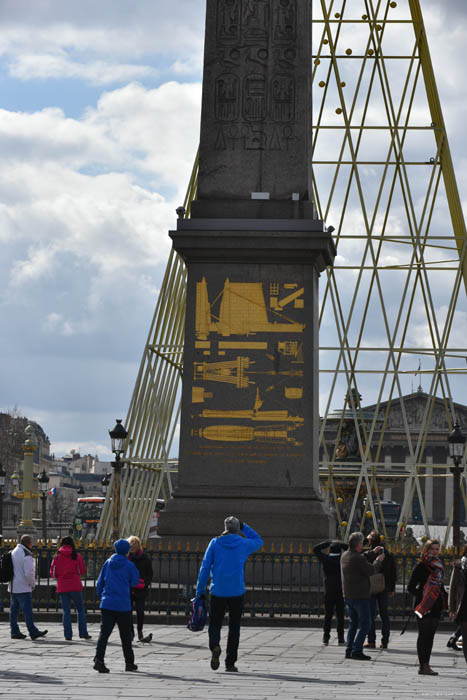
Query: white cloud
(50, 66)
(100, 42)
(54, 202)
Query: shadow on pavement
(166, 677)
(31, 677)
(284, 677)
(176, 644)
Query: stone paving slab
(282, 663)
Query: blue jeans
(23, 601)
(359, 623)
(380, 601)
(77, 598)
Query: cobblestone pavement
(282, 662)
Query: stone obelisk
(254, 251)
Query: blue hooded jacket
(224, 560)
(116, 578)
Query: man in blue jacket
(116, 578)
(224, 560)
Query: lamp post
(2, 490)
(118, 438)
(43, 480)
(456, 441)
(105, 481)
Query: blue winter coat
(116, 578)
(224, 560)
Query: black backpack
(6, 568)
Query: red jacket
(67, 571)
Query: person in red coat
(68, 567)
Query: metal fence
(278, 584)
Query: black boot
(100, 666)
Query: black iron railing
(278, 584)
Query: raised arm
(254, 540)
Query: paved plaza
(274, 662)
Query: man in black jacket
(380, 600)
(333, 598)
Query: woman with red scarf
(426, 584)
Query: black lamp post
(43, 480)
(118, 438)
(456, 441)
(2, 491)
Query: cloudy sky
(99, 124)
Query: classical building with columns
(411, 430)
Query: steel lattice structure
(384, 178)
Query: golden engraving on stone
(242, 311)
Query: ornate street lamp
(105, 481)
(43, 480)
(15, 482)
(118, 438)
(2, 491)
(456, 442)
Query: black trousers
(427, 627)
(333, 602)
(110, 618)
(463, 628)
(138, 607)
(218, 607)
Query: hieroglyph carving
(256, 82)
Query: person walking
(21, 588)
(139, 593)
(426, 584)
(224, 560)
(356, 572)
(67, 567)
(116, 578)
(457, 600)
(333, 597)
(380, 600)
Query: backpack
(198, 614)
(6, 568)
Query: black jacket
(415, 587)
(331, 564)
(388, 568)
(144, 566)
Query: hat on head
(122, 546)
(232, 525)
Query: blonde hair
(134, 540)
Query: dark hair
(70, 541)
(374, 538)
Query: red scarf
(432, 587)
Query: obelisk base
(280, 521)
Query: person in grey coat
(356, 572)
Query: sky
(99, 125)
